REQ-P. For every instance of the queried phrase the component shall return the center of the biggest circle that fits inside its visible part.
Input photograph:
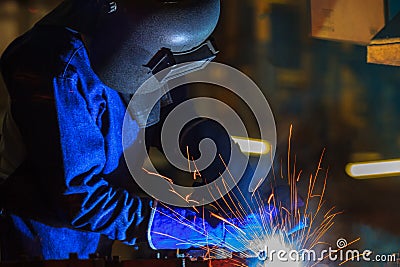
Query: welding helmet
(135, 39)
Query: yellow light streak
(252, 146)
(373, 169)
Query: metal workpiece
(181, 262)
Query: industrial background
(325, 88)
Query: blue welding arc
(300, 226)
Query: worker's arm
(65, 135)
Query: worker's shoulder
(45, 51)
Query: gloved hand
(240, 198)
(183, 228)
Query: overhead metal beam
(384, 48)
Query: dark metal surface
(131, 263)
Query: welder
(65, 186)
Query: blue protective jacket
(73, 188)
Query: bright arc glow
(252, 146)
(278, 253)
(374, 169)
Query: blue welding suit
(67, 196)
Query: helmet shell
(126, 39)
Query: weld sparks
(275, 225)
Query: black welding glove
(239, 198)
